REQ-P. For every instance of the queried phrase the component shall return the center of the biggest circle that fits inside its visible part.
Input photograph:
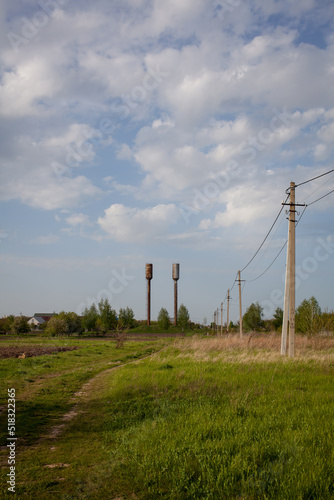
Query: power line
(268, 246)
(279, 213)
(314, 178)
(324, 196)
(267, 269)
(317, 189)
(279, 253)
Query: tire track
(77, 398)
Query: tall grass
(208, 430)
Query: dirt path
(79, 396)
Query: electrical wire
(279, 213)
(232, 285)
(267, 269)
(288, 195)
(269, 243)
(321, 197)
(279, 253)
(314, 178)
(308, 196)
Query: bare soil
(27, 351)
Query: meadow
(191, 418)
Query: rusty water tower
(149, 276)
(176, 275)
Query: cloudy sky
(163, 131)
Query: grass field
(195, 418)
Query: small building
(39, 318)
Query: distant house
(39, 318)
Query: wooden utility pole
(221, 318)
(217, 320)
(228, 310)
(240, 306)
(292, 266)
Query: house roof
(41, 315)
(37, 319)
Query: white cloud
(23, 87)
(138, 225)
(46, 240)
(53, 194)
(78, 220)
(124, 152)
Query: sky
(149, 131)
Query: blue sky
(142, 131)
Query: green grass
(182, 424)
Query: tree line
(98, 319)
(309, 318)
(102, 318)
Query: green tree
(183, 317)
(56, 326)
(89, 318)
(72, 320)
(20, 325)
(308, 316)
(253, 317)
(327, 321)
(163, 319)
(107, 316)
(6, 323)
(126, 318)
(278, 318)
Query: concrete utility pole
(240, 306)
(286, 306)
(290, 278)
(217, 320)
(292, 267)
(228, 310)
(221, 318)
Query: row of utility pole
(288, 327)
(228, 298)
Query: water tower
(149, 276)
(176, 275)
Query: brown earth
(26, 351)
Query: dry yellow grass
(255, 347)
